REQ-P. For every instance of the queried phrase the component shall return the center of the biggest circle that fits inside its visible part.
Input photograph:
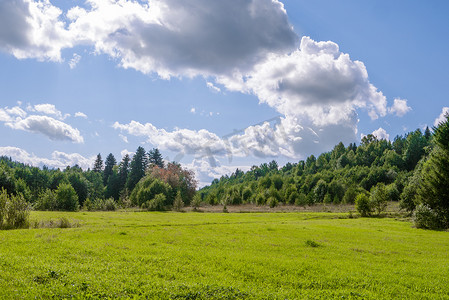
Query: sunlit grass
(223, 256)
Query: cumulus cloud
(58, 159)
(205, 172)
(316, 80)
(442, 117)
(17, 118)
(175, 37)
(32, 29)
(48, 109)
(400, 107)
(280, 136)
(381, 134)
(80, 115)
(185, 141)
(52, 128)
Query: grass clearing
(223, 256)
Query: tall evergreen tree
(109, 165)
(98, 165)
(137, 168)
(155, 158)
(123, 171)
(434, 188)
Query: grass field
(224, 256)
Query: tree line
(134, 181)
(412, 169)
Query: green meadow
(121, 255)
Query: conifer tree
(155, 158)
(98, 165)
(109, 165)
(123, 171)
(137, 168)
(434, 188)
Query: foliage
(378, 198)
(178, 204)
(426, 218)
(363, 205)
(14, 211)
(66, 198)
(434, 188)
(336, 177)
(155, 204)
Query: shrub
(196, 202)
(301, 200)
(14, 211)
(88, 205)
(379, 198)
(110, 204)
(246, 195)
(155, 204)
(67, 198)
(363, 205)
(272, 202)
(425, 217)
(46, 201)
(178, 204)
(260, 199)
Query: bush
(46, 201)
(178, 204)
(379, 198)
(67, 198)
(14, 211)
(155, 204)
(272, 202)
(196, 202)
(425, 217)
(110, 204)
(363, 205)
(301, 200)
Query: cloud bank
(56, 130)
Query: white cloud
(80, 115)
(52, 128)
(316, 80)
(381, 134)
(74, 61)
(32, 29)
(205, 172)
(193, 110)
(212, 87)
(179, 38)
(285, 137)
(58, 159)
(125, 151)
(124, 138)
(400, 107)
(48, 109)
(442, 117)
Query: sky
(215, 85)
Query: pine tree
(434, 189)
(123, 171)
(155, 158)
(98, 165)
(109, 165)
(137, 168)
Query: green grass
(223, 256)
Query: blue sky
(215, 85)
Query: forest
(412, 169)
